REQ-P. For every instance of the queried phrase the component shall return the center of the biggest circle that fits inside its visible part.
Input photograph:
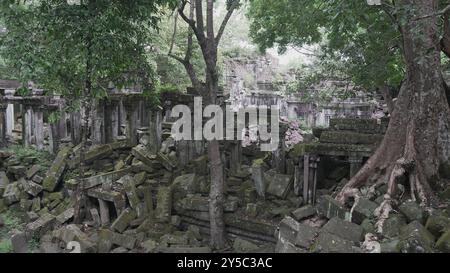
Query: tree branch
(442, 12)
(233, 6)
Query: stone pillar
(155, 131)
(236, 157)
(27, 128)
(298, 178)
(98, 123)
(310, 163)
(132, 111)
(3, 142)
(112, 124)
(10, 120)
(75, 127)
(38, 126)
(355, 164)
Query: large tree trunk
(418, 138)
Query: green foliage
(20, 152)
(68, 49)
(361, 40)
(5, 246)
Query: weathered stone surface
(437, 224)
(40, 226)
(289, 228)
(443, 243)
(303, 212)
(12, 193)
(4, 181)
(142, 154)
(32, 171)
(109, 177)
(181, 249)
(200, 203)
(286, 247)
(49, 247)
(368, 226)
(305, 236)
(98, 152)
(165, 161)
(364, 209)
(345, 137)
(186, 184)
(345, 230)
(149, 246)
(164, 204)
(412, 211)
(393, 225)
(54, 174)
(17, 170)
(3, 205)
(105, 243)
(32, 188)
(200, 165)
(280, 185)
(19, 242)
(244, 246)
(414, 238)
(330, 243)
(389, 246)
(330, 208)
(139, 178)
(2, 222)
(65, 216)
(130, 190)
(111, 238)
(37, 179)
(258, 177)
(71, 233)
(124, 219)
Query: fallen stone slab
(330, 243)
(364, 209)
(303, 212)
(280, 185)
(39, 227)
(109, 177)
(17, 170)
(142, 154)
(412, 211)
(443, 243)
(4, 181)
(130, 190)
(12, 193)
(187, 249)
(200, 203)
(32, 188)
(123, 221)
(72, 233)
(165, 161)
(244, 246)
(414, 238)
(438, 224)
(65, 216)
(345, 230)
(19, 242)
(32, 171)
(110, 239)
(54, 174)
(186, 184)
(393, 225)
(328, 207)
(110, 196)
(164, 204)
